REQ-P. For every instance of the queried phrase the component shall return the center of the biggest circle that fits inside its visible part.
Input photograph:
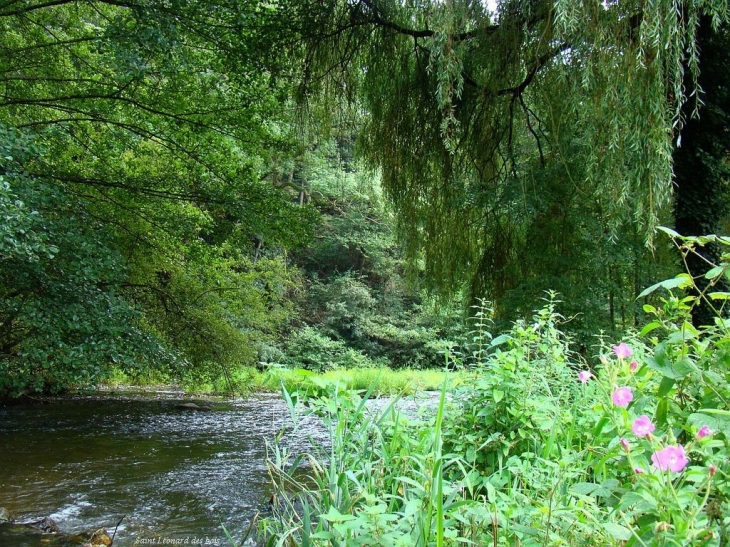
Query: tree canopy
(134, 137)
(157, 188)
(489, 124)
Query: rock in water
(192, 406)
(5, 515)
(46, 525)
(98, 538)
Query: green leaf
(640, 501)
(618, 532)
(715, 272)
(649, 326)
(662, 364)
(712, 418)
(682, 281)
(716, 419)
(491, 492)
(669, 232)
(660, 416)
(333, 515)
(584, 488)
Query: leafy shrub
(309, 349)
(522, 382)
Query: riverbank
(143, 457)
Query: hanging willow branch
(450, 92)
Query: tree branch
(163, 194)
(53, 3)
(541, 62)
(377, 19)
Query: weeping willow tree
(500, 131)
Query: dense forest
(196, 187)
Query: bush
(309, 349)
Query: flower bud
(625, 443)
(704, 431)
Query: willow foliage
(470, 112)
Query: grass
(243, 380)
(382, 381)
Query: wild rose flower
(584, 376)
(633, 365)
(642, 426)
(625, 443)
(704, 432)
(671, 458)
(622, 396)
(622, 351)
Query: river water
(176, 476)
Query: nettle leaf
(617, 531)
(584, 488)
(663, 364)
(715, 419)
(333, 515)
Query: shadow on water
(176, 474)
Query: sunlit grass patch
(382, 381)
(242, 380)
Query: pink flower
(713, 470)
(704, 432)
(622, 351)
(622, 396)
(642, 426)
(625, 443)
(671, 458)
(639, 470)
(584, 376)
(633, 365)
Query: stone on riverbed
(98, 538)
(46, 525)
(192, 406)
(5, 515)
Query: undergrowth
(535, 447)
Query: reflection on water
(173, 474)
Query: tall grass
(380, 481)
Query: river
(176, 476)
